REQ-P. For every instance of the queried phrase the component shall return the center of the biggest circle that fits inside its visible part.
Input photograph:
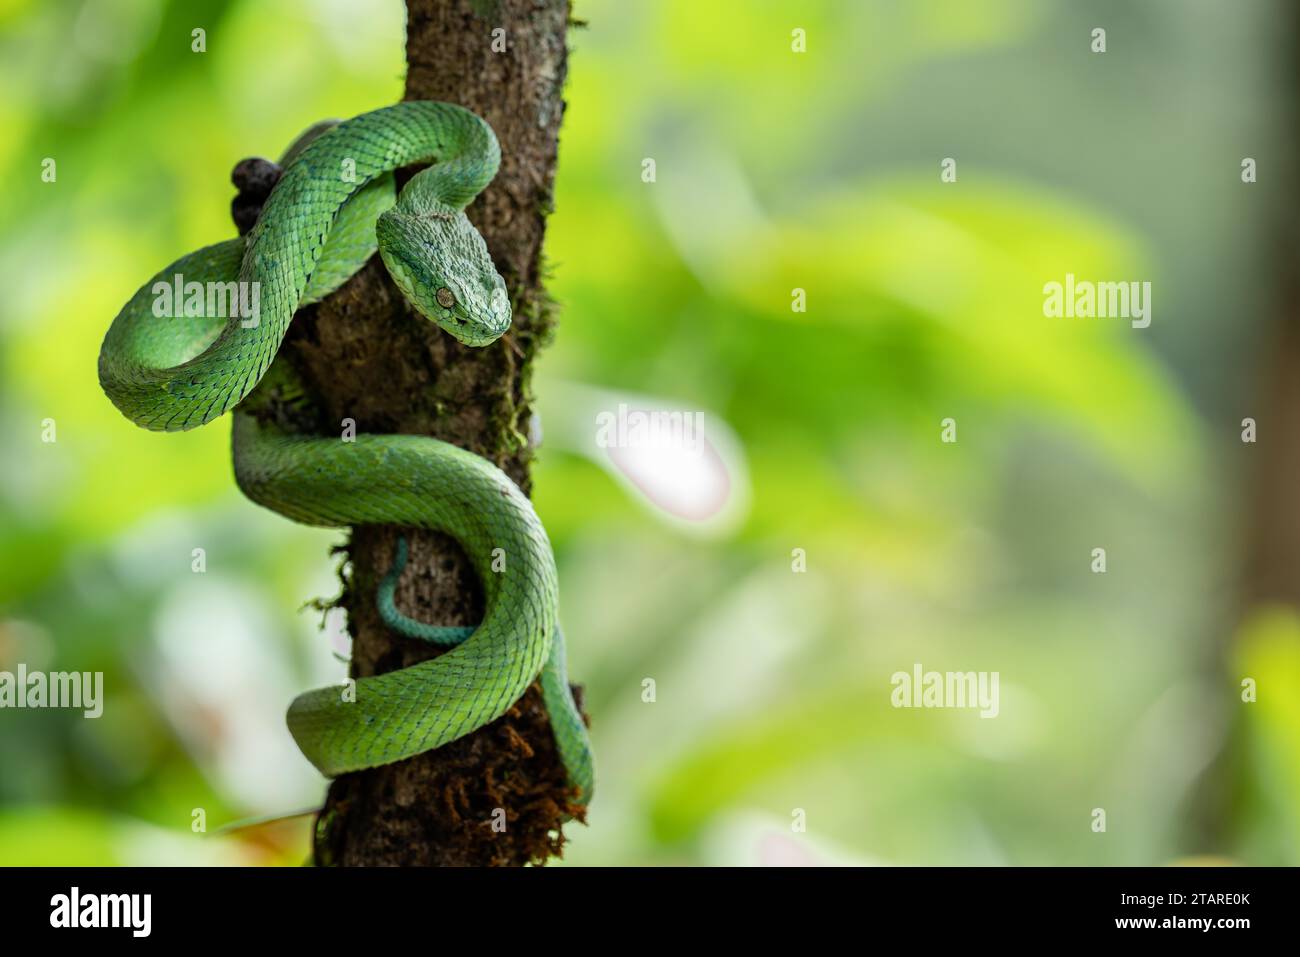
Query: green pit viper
(331, 208)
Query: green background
(775, 170)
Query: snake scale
(327, 214)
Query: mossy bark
(370, 358)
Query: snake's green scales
(322, 221)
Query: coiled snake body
(323, 220)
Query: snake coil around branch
(331, 207)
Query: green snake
(331, 208)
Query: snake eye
(446, 298)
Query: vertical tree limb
(1270, 544)
(372, 359)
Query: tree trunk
(1270, 559)
(370, 358)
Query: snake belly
(332, 207)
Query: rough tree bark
(370, 358)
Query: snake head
(441, 264)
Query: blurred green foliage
(775, 171)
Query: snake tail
(571, 737)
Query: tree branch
(369, 357)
